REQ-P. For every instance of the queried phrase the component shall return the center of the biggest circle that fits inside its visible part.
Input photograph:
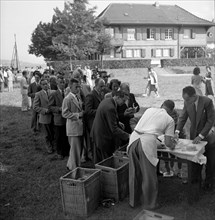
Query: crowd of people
(6, 79)
(87, 120)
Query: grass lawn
(30, 178)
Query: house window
(187, 33)
(158, 53)
(137, 53)
(168, 34)
(110, 31)
(129, 53)
(166, 52)
(131, 34)
(150, 33)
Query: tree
(75, 30)
(74, 33)
(42, 41)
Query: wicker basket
(80, 191)
(114, 177)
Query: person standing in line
(40, 105)
(24, 91)
(197, 80)
(10, 80)
(142, 151)
(103, 74)
(1, 80)
(93, 99)
(32, 90)
(209, 88)
(55, 105)
(200, 111)
(128, 109)
(114, 87)
(106, 132)
(5, 77)
(73, 112)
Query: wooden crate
(149, 215)
(121, 152)
(80, 191)
(114, 177)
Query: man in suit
(105, 130)
(55, 105)
(32, 90)
(105, 76)
(128, 109)
(40, 105)
(73, 112)
(91, 104)
(200, 111)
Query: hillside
(23, 64)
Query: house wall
(198, 37)
(149, 47)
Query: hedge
(188, 62)
(64, 66)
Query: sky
(21, 17)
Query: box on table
(80, 191)
(149, 215)
(114, 177)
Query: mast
(15, 59)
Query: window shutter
(144, 34)
(143, 53)
(157, 34)
(193, 34)
(124, 53)
(116, 32)
(138, 32)
(171, 52)
(162, 34)
(153, 52)
(175, 33)
(124, 34)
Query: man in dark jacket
(91, 104)
(32, 89)
(105, 130)
(128, 109)
(200, 111)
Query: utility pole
(15, 65)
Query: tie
(194, 111)
(77, 97)
(63, 94)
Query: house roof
(119, 13)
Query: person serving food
(142, 152)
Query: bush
(64, 66)
(187, 62)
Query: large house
(153, 31)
